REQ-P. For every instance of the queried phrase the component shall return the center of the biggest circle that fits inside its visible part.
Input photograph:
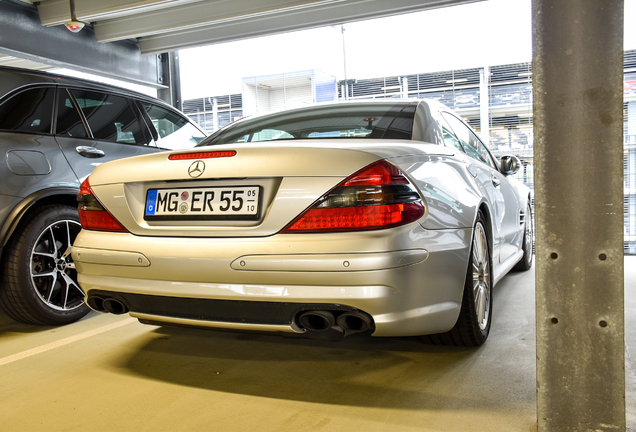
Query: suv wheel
(39, 280)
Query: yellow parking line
(62, 342)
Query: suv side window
(110, 117)
(175, 132)
(472, 145)
(28, 111)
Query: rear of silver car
(389, 216)
(264, 268)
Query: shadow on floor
(358, 371)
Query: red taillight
(377, 174)
(93, 216)
(202, 155)
(379, 196)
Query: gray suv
(54, 131)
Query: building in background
(263, 94)
(287, 90)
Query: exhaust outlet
(114, 306)
(96, 303)
(355, 322)
(317, 320)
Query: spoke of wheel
(476, 266)
(53, 273)
(52, 240)
(44, 254)
(476, 283)
(51, 288)
(476, 260)
(68, 235)
(65, 288)
(72, 284)
(67, 252)
(482, 245)
(480, 306)
(69, 243)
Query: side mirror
(510, 164)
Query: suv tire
(39, 280)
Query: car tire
(528, 241)
(39, 280)
(475, 316)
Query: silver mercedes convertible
(388, 217)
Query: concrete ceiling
(169, 25)
(159, 26)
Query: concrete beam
(56, 12)
(24, 37)
(198, 24)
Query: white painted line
(62, 342)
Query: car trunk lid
(255, 191)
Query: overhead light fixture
(74, 25)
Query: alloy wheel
(53, 272)
(529, 234)
(481, 277)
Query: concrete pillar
(578, 153)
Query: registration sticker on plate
(208, 203)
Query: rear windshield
(383, 121)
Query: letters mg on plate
(233, 202)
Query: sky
(492, 32)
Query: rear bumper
(243, 285)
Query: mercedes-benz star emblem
(196, 169)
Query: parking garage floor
(109, 373)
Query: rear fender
(61, 195)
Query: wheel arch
(61, 195)
(485, 211)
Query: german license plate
(207, 203)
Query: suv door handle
(495, 181)
(89, 152)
